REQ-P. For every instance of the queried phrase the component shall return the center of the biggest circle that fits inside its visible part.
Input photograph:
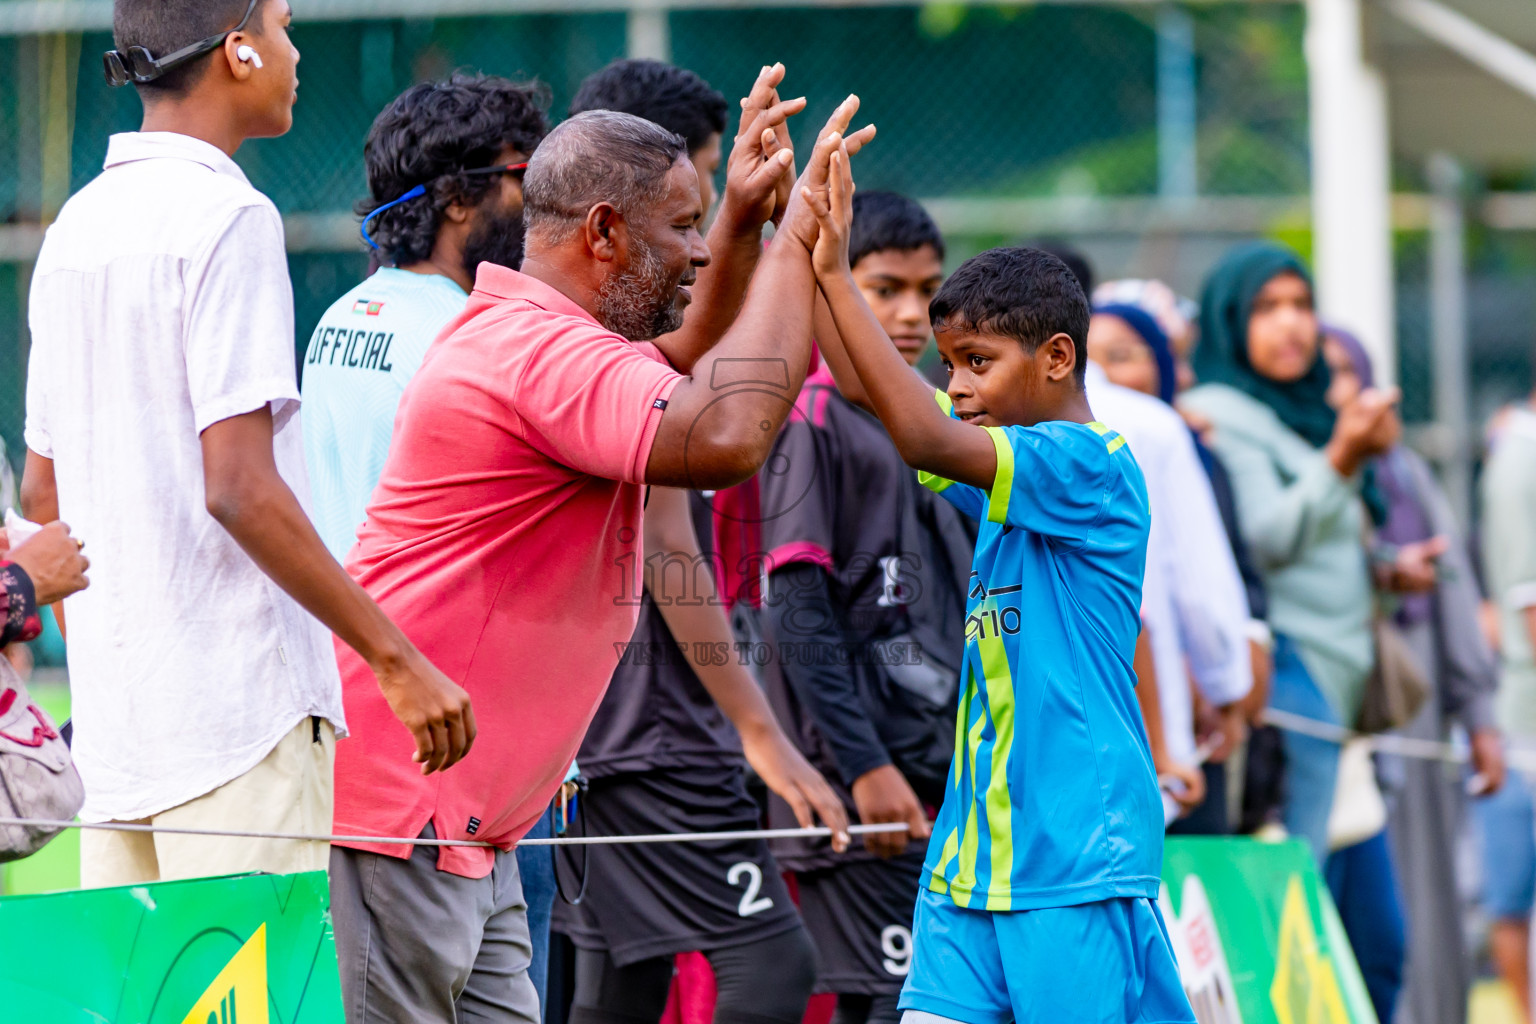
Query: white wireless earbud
(248, 55)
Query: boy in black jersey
(671, 741)
(866, 591)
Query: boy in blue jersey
(1038, 893)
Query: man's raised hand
(800, 221)
(777, 142)
(760, 168)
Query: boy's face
(994, 382)
(898, 284)
(274, 85)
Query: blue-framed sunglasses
(136, 64)
(421, 190)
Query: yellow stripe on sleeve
(1002, 483)
(933, 481)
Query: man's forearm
(774, 324)
(721, 421)
(246, 494)
(269, 524)
(718, 294)
(39, 489)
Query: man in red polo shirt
(504, 536)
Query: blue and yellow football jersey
(1052, 799)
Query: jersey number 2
(751, 903)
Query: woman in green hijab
(1296, 470)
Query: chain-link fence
(1015, 121)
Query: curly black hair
(428, 134)
(673, 97)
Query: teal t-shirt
(1052, 799)
(364, 351)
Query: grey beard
(639, 303)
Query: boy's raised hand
(760, 168)
(800, 220)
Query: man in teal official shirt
(444, 164)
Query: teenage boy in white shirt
(162, 421)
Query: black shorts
(648, 900)
(859, 915)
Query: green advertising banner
(246, 949)
(1257, 936)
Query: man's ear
(456, 212)
(606, 232)
(1060, 353)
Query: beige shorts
(289, 791)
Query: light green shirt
(1305, 526)
(1509, 554)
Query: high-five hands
(802, 220)
(834, 215)
(760, 171)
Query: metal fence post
(1448, 330)
(1177, 116)
(647, 34)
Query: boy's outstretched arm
(926, 436)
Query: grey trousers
(421, 945)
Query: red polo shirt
(504, 539)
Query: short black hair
(597, 156)
(673, 97)
(426, 136)
(885, 220)
(1073, 258)
(164, 26)
(1026, 294)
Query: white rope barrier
(659, 837)
(1401, 746)
(1524, 760)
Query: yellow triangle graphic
(239, 994)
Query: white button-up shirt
(160, 305)
(1193, 603)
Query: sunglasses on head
(136, 64)
(421, 190)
